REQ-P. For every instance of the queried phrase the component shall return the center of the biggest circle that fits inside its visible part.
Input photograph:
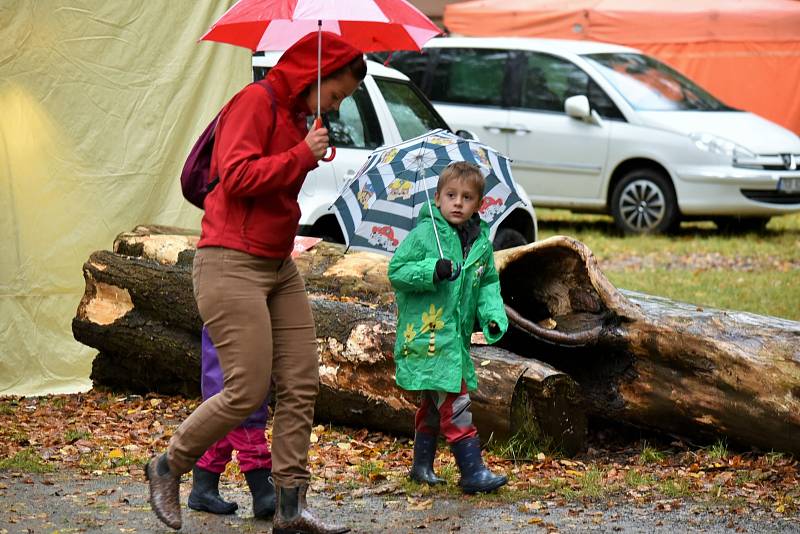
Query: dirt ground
(69, 501)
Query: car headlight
(717, 145)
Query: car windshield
(649, 85)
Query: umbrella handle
(318, 124)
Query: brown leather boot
(164, 495)
(294, 517)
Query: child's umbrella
(380, 205)
(368, 25)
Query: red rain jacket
(262, 166)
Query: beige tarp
(100, 102)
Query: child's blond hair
(462, 170)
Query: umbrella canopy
(369, 25)
(380, 205)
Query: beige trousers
(257, 312)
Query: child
(254, 457)
(437, 303)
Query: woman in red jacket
(249, 293)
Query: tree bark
(139, 313)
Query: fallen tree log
(650, 361)
(639, 359)
(144, 349)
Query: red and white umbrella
(368, 25)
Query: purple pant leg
(253, 451)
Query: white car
(596, 127)
(386, 109)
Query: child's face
(457, 201)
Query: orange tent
(745, 52)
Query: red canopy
(746, 52)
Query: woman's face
(332, 92)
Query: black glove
(494, 328)
(444, 270)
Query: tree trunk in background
(139, 312)
(642, 360)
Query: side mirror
(578, 107)
(467, 134)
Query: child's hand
(445, 270)
(494, 328)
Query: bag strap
(271, 92)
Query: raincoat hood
(297, 67)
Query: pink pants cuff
(250, 444)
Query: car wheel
(741, 225)
(507, 238)
(643, 202)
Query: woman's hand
(317, 141)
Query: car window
(412, 114)
(548, 81)
(415, 65)
(602, 103)
(355, 125)
(469, 76)
(649, 85)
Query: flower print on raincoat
(435, 320)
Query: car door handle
(498, 128)
(520, 129)
(349, 175)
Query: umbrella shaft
(319, 65)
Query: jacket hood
(297, 67)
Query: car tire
(741, 225)
(643, 202)
(508, 238)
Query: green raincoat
(435, 319)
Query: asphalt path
(68, 501)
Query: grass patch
(102, 461)
(718, 451)
(768, 286)
(649, 455)
(766, 293)
(8, 407)
(526, 443)
(636, 479)
(675, 488)
(525, 447)
(15, 435)
(592, 484)
(450, 474)
(72, 435)
(772, 458)
(26, 461)
(371, 469)
(58, 402)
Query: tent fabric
(745, 52)
(100, 102)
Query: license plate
(789, 185)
